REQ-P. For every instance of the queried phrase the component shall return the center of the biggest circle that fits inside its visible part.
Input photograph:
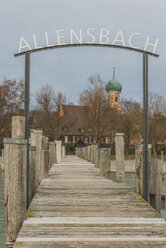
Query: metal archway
(145, 99)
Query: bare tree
(44, 98)
(99, 110)
(46, 114)
(157, 119)
(59, 99)
(131, 121)
(11, 103)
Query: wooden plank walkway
(75, 208)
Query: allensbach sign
(90, 36)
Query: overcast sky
(69, 69)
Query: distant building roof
(74, 120)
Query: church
(75, 129)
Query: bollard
(93, 153)
(96, 160)
(108, 164)
(89, 153)
(15, 192)
(76, 151)
(44, 143)
(64, 151)
(58, 150)
(45, 158)
(97, 155)
(86, 153)
(149, 172)
(139, 169)
(83, 153)
(3, 160)
(101, 163)
(15, 152)
(52, 154)
(36, 140)
(155, 199)
(32, 185)
(45, 164)
(105, 163)
(120, 165)
(80, 152)
(18, 127)
(162, 168)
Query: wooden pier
(74, 207)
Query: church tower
(114, 89)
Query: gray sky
(68, 70)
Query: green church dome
(113, 85)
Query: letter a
(26, 45)
(121, 40)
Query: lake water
(129, 179)
(2, 212)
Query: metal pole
(147, 139)
(145, 127)
(26, 113)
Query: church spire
(114, 71)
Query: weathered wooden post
(58, 150)
(105, 163)
(36, 140)
(93, 154)
(154, 177)
(149, 172)
(83, 153)
(162, 168)
(86, 153)
(89, 153)
(18, 127)
(108, 164)
(139, 169)
(155, 199)
(101, 163)
(32, 185)
(120, 165)
(97, 158)
(64, 151)
(15, 162)
(45, 158)
(80, 152)
(90, 158)
(52, 154)
(3, 160)
(76, 151)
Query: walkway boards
(76, 208)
